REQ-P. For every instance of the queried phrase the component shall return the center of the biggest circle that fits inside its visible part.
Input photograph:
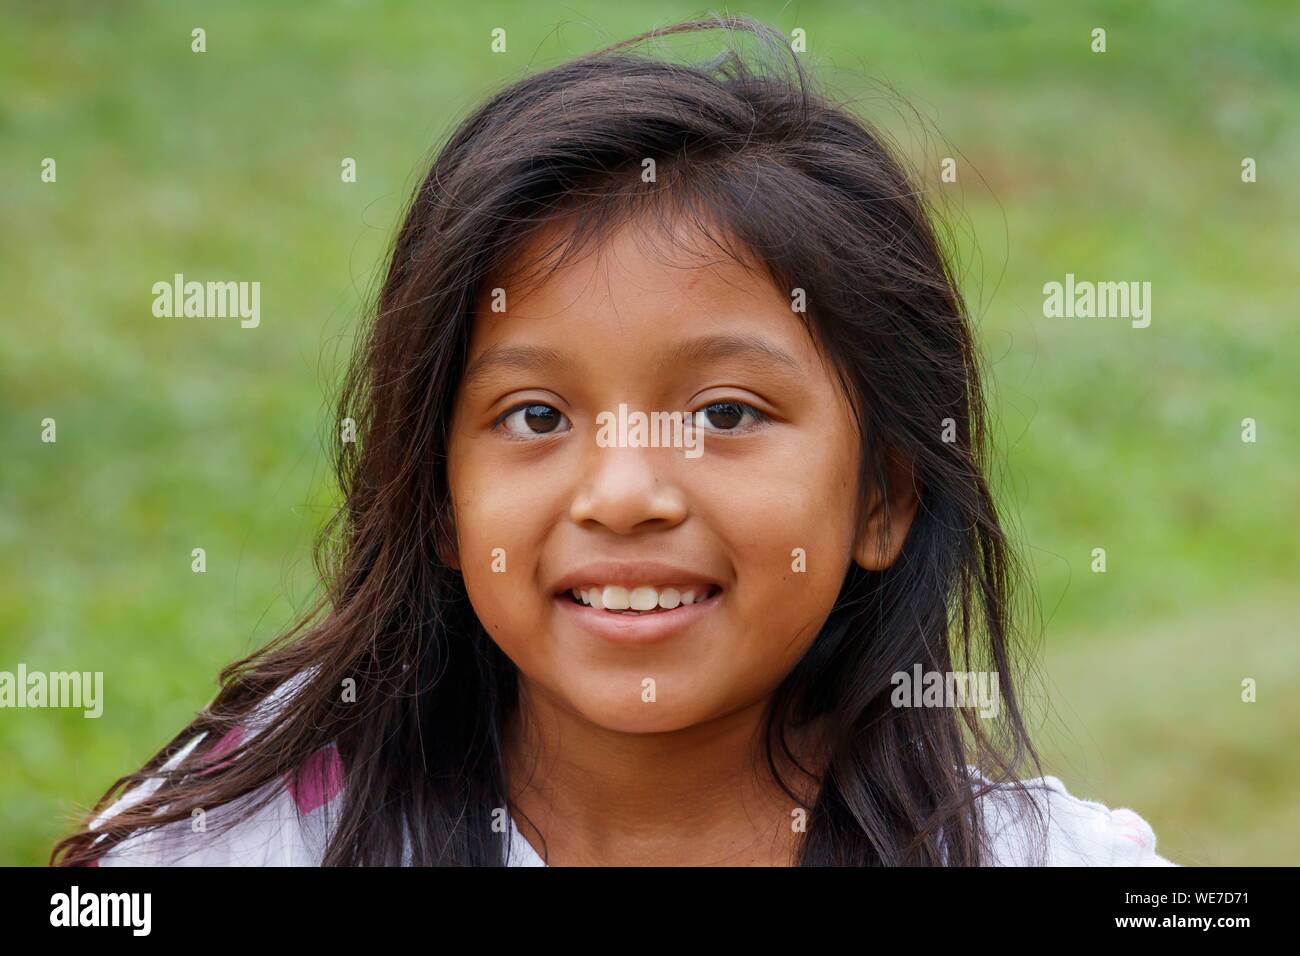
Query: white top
(291, 830)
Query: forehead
(643, 280)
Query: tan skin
(609, 778)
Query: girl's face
(753, 510)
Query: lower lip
(637, 628)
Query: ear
(880, 535)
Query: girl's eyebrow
(523, 358)
(750, 349)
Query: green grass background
(175, 434)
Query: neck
(704, 795)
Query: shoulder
(1038, 822)
(284, 824)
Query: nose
(628, 490)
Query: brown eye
(726, 416)
(533, 419)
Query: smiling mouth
(640, 601)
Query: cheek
(503, 591)
(792, 537)
(498, 531)
(496, 507)
(802, 497)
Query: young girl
(666, 537)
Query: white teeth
(614, 598)
(642, 598)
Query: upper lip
(630, 574)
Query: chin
(630, 715)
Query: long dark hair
(749, 150)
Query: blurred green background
(183, 433)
